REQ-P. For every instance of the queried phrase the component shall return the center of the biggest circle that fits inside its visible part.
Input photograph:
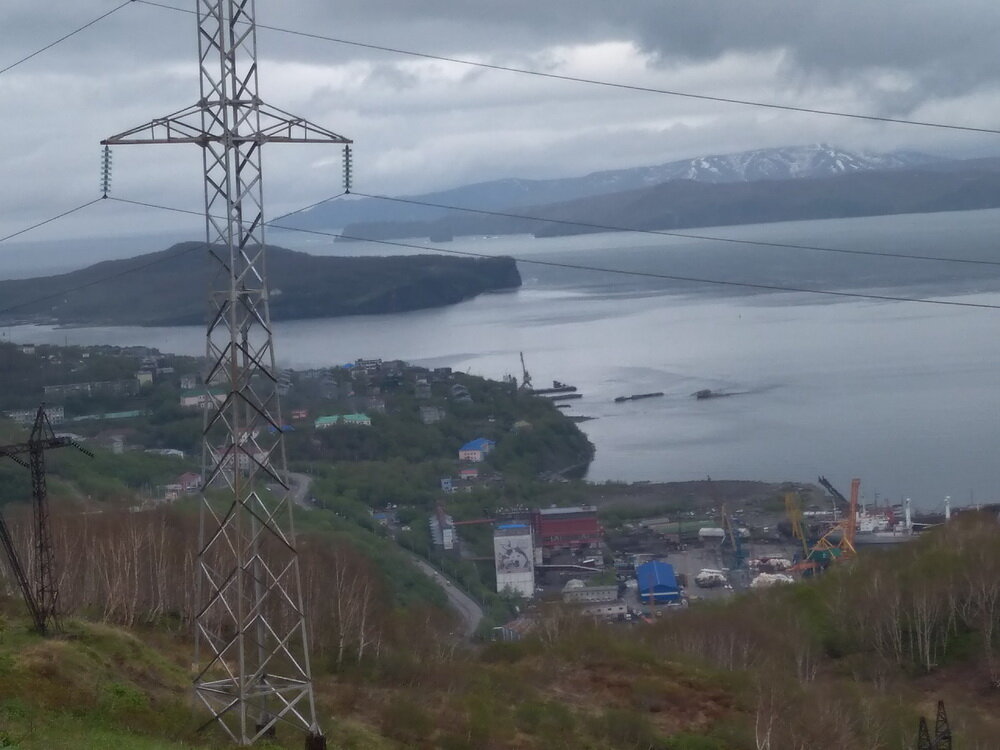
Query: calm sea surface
(905, 396)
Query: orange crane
(793, 509)
(837, 544)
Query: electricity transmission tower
(941, 740)
(42, 599)
(251, 653)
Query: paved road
(467, 608)
(299, 489)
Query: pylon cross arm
(186, 126)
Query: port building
(442, 529)
(657, 583)
(570, 528)
(514, 558)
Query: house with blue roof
(657, 583)
(475, 451)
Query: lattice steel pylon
(252, 657)
(42, 599)
(942, 732)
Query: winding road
(467, 607)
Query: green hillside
(302, 286)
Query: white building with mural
(514, 557)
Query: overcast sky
(421, 125)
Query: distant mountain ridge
(819, 160)
(793, 162)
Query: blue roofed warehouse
(657, 583)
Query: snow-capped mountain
(748, 166)
(817, 160)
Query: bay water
(904, 395)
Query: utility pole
(251, 653)
(42, 599)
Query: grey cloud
(416, 133)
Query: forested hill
(169, 287)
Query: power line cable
(126, 271)
(616, 271)
(682, 235)
(654, 275)
(609, 84)
(101, 280)
(51, 219)
(65, 37)
(305, 208)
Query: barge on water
(637, 396)
(557, 387)
(709, 393)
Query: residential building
(469, 474)
(576, 592)
(170, 452)
(201, 397)
(615, 610)
(358, 420)
(127, 387)
(27, 416)
(323, 423)
(431, 414)
(475, 451)
(362, 420)
(132, 414)
(189, 482)
(422, 389)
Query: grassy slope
(98, 687)
(103, 687)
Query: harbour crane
(793, 509)
(732, 544)
(837, 544)
(525, 377)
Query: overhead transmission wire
(63, 38)
(131, 269)
(600, 269)
(681, 235)
(529, 261)
(606, 84)
(554, 76)
(50, 219)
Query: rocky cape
(170, 287)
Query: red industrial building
(567, 528)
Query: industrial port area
(639, 570)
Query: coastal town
(525, 533)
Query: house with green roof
(358, 420)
